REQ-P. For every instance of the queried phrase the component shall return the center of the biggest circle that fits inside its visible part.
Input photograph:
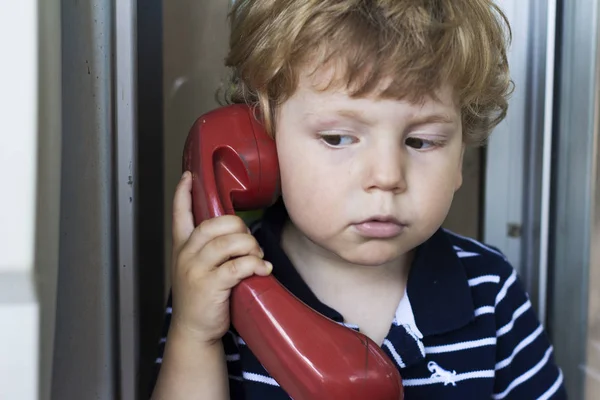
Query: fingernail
(269, 266)
(184, 175)
(262, 253)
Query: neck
(319, 266)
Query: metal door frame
(518, 154)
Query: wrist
(182, 332)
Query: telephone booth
(98, 97)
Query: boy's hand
(208, 261)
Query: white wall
(18, 166)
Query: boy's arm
(186, 370)
(525, 366)
(191, 370)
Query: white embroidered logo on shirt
(439, 372)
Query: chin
(372, 257)
(376, 253)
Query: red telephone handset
(234, 166)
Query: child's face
(344, 161)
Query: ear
(459, 169)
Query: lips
(382, 227)
(382, 218)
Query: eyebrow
(430, 118)
(434, 118)
(354, 115)
(415, 119)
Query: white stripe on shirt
(416, 339)
(394, 353)
(484, 310)
(553, 388)
(526, 376)
(518, 312)
(250, 376)
(466, 254)
(448, 348)
(483, 246)
(502, 293)
(484, 279)
(524, 343)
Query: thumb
(183, 218)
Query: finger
(212, 228)
(234, 271)
(183, 218)
(222, 248)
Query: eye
(420, 144)
(338, 140)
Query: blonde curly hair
(419, 44)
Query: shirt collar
(437, 286)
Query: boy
(371, 104)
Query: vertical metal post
(546, 157)
(125, 56)
(84, 352)
(538, 143)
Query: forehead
(326, 86)
(332, 80)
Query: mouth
(383, 218)
(380, 227)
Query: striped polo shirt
(465, 328)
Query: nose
(386, 169)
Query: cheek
(310, 188)
(309, 205)
(432, 191)
(307, 170)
